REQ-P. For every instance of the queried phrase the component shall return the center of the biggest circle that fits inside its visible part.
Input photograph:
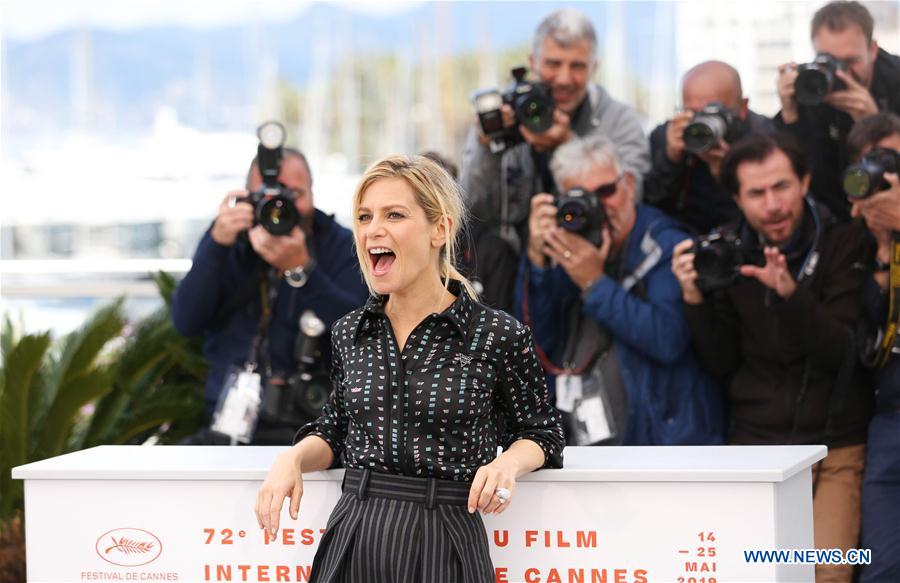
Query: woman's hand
(500, 473)
(284, 481)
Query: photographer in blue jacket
(606, 310)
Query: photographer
(499, 186)
(782, 331)
(881, 483)
(865, 80)
(604, 304)
(247, 288)
(683, 179)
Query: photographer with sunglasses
(606, 311)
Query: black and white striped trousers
(400, 529)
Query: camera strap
(259, 349)
(811, 261)
(889, 339)
(683, 198)
(541, 161)
(507, 230)
(652, 254)
(629, 282)
(245, 291)
(546, 363)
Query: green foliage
(74, 380)
(158, 380)
(107, 383)
(21, 374)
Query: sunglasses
(605, 191)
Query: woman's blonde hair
(438, 195)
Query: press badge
(593, 424)
(238, 407)
(592, 411)
(568, 389)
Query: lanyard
(886, 347)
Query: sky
(32, 19)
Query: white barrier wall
(612, 515)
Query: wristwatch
(298, 276)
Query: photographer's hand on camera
(284, 253)
(509, 120)
(774, 274)
(881, 210)
(787, 76)
(685, 273)
(675, 136)
(582, 261)
(854, 100)
(714, 157)
(883, 239)
(541, 219)
(233, 218)
(559, 133)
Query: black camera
(300, 398)
(817, 79)
(718, 257)
(711, 125)
(581, 212)
(866, 177)
(273, 202)
(532, 104)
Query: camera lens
(535, 113)
(867, 176)
(699, 137)
(278, 215)
(857, 182)
(532, 110)
(572, 215)
(704, 133)
(811, 86)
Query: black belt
(427, 491)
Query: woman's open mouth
(382, 258)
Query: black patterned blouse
(467, 380)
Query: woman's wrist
(296, 455)
(508, 459)
(526, 456)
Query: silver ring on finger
(232, 202)
(567, 254)
(502, 495)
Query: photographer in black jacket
(870, 83)
(783, 330)
(682, 181)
